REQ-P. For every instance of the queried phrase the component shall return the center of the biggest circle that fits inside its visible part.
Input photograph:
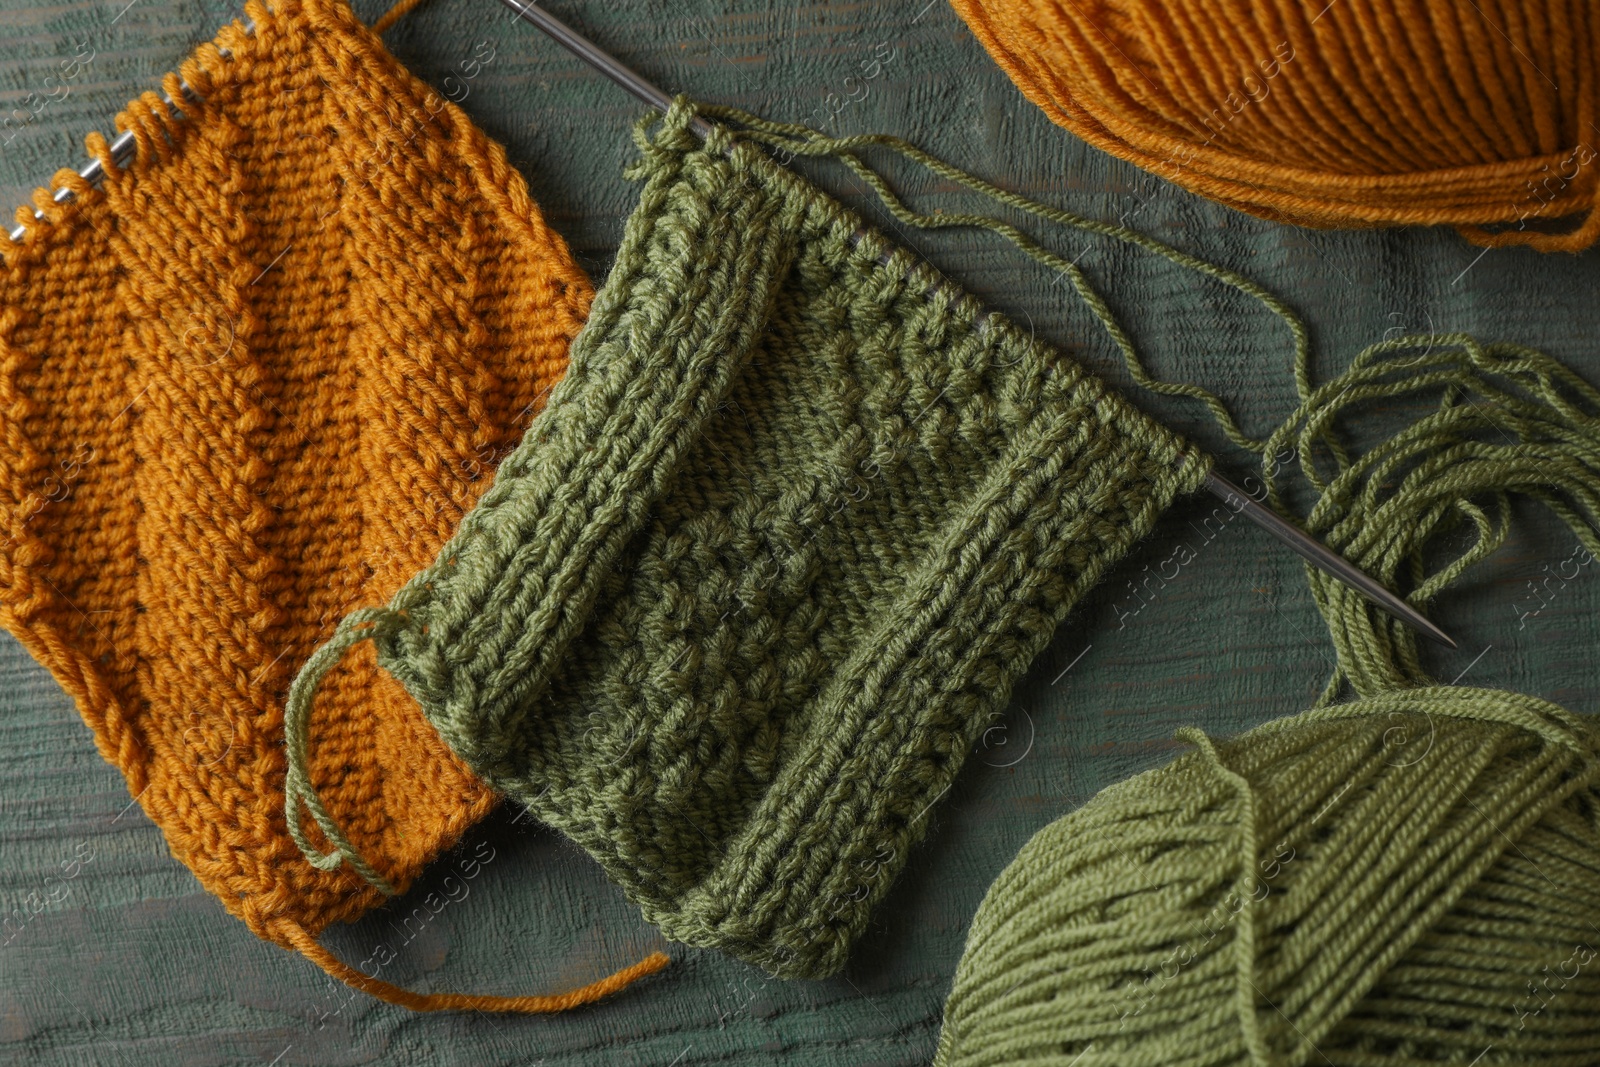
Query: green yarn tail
(361, 625)
(1498, 419)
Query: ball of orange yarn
(1332, 113)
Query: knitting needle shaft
(1324, 558)
(92, 172)
(1297, 539)
(122, 150)
(603, 61)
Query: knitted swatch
(253, 382)
(737, 606)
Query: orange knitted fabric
(250, 384)
(1356, 113)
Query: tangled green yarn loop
(1498, 419)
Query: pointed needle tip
(1325, 558)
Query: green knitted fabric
(736, 608)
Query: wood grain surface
(127, 961)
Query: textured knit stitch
(253, 382)
(735, 609)
(1479, 115)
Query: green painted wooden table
(127, 961)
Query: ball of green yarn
(1412, 878)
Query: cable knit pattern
(735, 609)
(252, 382)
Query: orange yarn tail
(529, 1005)
(400, 10)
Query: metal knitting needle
(1310, 548)
(122, 148)
(1324, 558)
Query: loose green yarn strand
(299, 792)
(1505, 419)
(1246, 992)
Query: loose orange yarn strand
(1480, 116)
(525, 1005)
(400, 10)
